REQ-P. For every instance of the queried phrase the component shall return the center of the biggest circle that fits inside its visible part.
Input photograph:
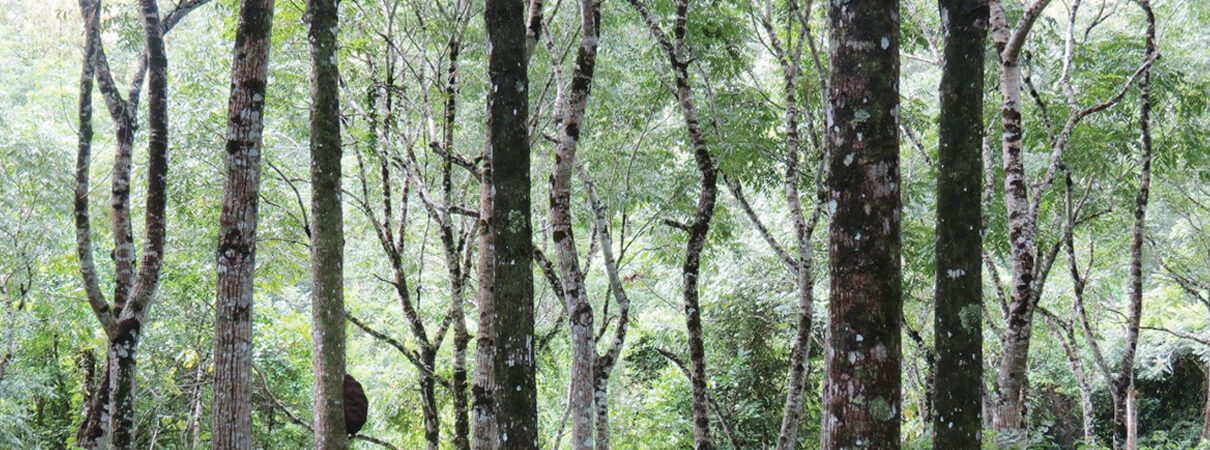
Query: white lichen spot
(954, 273)
(848, 159)
(886, 42)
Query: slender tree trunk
(483, 406)
(674, 50)
(1012, 380)
(511, 231)
(1205, 434)
(862, 395)
(232, 425)
(428, 402)
(327, 238)
(583, 340)
(958, 318)
(1123, 431)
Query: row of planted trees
(839, 138)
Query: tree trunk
(483, 402)
(428, 402)
(674, 50)
(512, 239)
(583, 340)
(862, 395)
(327, 237)
(133, 291)
(1205, 434)
(1011, 379)
(1123, 411)
(232, 426)
(958, 318)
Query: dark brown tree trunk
(512, 313)
(862, 394)
(958, 318)
(232, 421)
(1123, 386)
(327, 237)
(674, 50)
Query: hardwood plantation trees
(675, 51)
(789, 56)
(327, 235)
(232, 424)
(959, 295)
(862, 391)
(391, 144)
(109, 420)
(1030, 265)
(512, 309)
(583, 342)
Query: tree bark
(862, 393)
(674, 50)
(327, 237)
(232, 426)
(1123, 431)
(583, 341)
(959, 289)
(1011, 378)
(511, 231)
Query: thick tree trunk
(862, 394)
(232, 422)
(327, 237)
(958, 318)
(122, 350)
(511, 231)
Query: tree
(801, 265)
(134, 290)
(236, 266)
(583, 341)
(511, 316)
(675, 51)
(959, 295)
(327, 237)
(862, 391)
(1030, 265)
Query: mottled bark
(801, 265)
(232, 421)
(958, 324)
(674, 50)
(862, 393)
(583, 342)
(1124, 434)
(1011, 379)
(512, 241)
(327, 237)
(111, 416)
